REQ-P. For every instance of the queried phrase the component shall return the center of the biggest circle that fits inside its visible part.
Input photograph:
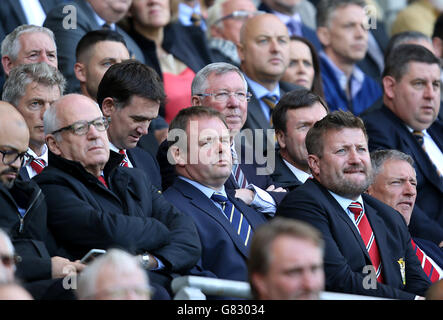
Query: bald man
(264, 55)
(23, 213)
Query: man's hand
(60, 267)
(245, 195)
(273, 188)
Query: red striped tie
(124, 162)
(368, 237)
(102, 180)
(431, 272)
(38, 165)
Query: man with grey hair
(116, 275)
(343, 32)
(395, 183)
(31, 88)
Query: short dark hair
(91, 38)
(336, 120)
(130, 78)
(325, 9)
(438, 27)
(397, 62)
(297, 98)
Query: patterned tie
(237, 172)
(432, 273)
(38, 165)
(419, 135)
(368, 237)
(235, 217)
(270, 101)
(124, 162)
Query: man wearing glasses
(23, 214)
(93, 202)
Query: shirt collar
(300, 174)
(204, 189)
(33, 155)
(261, 91)
(99, 20)
(285, 18)
(344, 202)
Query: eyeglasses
(11, 156)
(81, 128)
(224, 96)
(9, 260)
(239, 15)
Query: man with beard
(367, 244)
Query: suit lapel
(256, 118)
(203, 203)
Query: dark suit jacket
(223, 253)
(345, 252)
(146, 162)
(67, 39)
(283, 175)
(387, 131)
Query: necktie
(237, 172)
(238, 221)
(426, 264)
(196, 19)
(368, 237)
(419, 136)
(294, 28)
(102, 180)
(270, 101)
(38, 165)
(106, 26)
(124, 162)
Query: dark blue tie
(236, 218)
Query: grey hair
(11, 44)
(379, 157)
(215, 13)
(120, 261)
(326, 8)
(200, 82)
(21, 76)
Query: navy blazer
(146, 162)
(223, 252)
(387, 131)
(345, 254)
(283, 175)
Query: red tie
(38, 165)
(368, 237)
(102, 180)
(431, 272)
(124, 162)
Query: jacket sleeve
(184, 248)
(76, 219)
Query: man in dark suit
(203, 160)
(293, 116)
(368, 246)
(395, 183)
(130, 94)
(408, 122)
(222, 86)
(264, 55)
(93, 202)
(70, 25)
(31, 88)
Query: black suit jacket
(67, 39)
(223, 252)
(283, 175)
(146, 162)
(387, 131)
(345, 254)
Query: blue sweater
(336, 97)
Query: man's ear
(280, 135)
(324, 36)
(7, 64)
(240, 51)
(177, 155)
(195, 101)
(52, 144)
(314, 164)
(108, 107)
(80, 71)
(388, 86)
(259, 283)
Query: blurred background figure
(7, 258)
(286, 261)
(13, 291)
(304, 66)
(116, 275)
(435, 292)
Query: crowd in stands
(294, 145)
